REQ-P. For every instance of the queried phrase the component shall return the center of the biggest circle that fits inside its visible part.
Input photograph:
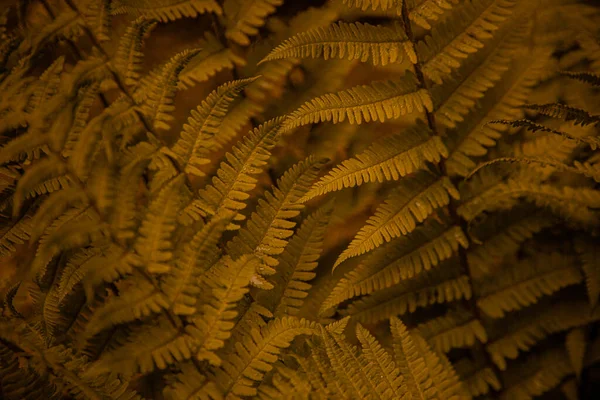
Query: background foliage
(209, 199)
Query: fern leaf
(588, 254)
(139, 300)
(353, 41)
(412, 202)
(531, 326)
(383, 368)
(349, 369)
(380, 101)
(269, 228)
(244, 18)
(455, 329)
(586, 77)
(255, 356)
(197, 137)
(151, 346)
(464, 34)
(478, 380)
(228, 282)
(15, 233)
(128, 58)
(169, 10)
(162, 86)
(180, 285)
(234, 179)
(389, 158)
(46, 87)
(505, 241)
(401, 260)
(296, 265)
(525, 283)
(417, 364)
(98, 18)
(153, 246)
(537, 375)
(566, 113)
(376, 4)
(192, 384)
(437, 286)
(422, 11)
(43, 170)
(213, 58)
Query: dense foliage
(378, 199)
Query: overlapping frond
(400, 261)
(524, 283)
(412, 201)
(169, 10)
(244, 18)
(379, 101)
(389, 158)
(455, 329)
(128, 58)
(377, 44)
(235, 177)
(196, 140)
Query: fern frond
(464, 34)
(576, 343)
(196, 140)
(153, 246)
(412, 201)
(592, 142)
(590, 257)
(537, 375)
(123, 219)
(212, 58)
(379, 101)
(162, 86)
(296, 265)
(376, 4)
(455, 329)
(437, 286)
(400, 261)
(586, 77)
(140, 299)
(98, 17)
(389, 158)
(525, 283)
(167, 10)
(45, 87)
(234, 179)
(379, 45)
(505, 241)
(573, 204)
(15, 233)
(256, 354)
(422, 369)
(383, 370)
(524, 331)
(478, 380)
(268, 230)
(181, 284)
(227, 282)
(128, 58)
(423, 11)
(244, 18)
(561, 111)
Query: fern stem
(478, 353)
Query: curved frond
(377, 44)
(400, 261)
(128, 58)
(389, 158)
(412, 201)
(196, 140)
(379, 101)
(167, 10)
(244, 18)
(523, 284)
(455, 329)
(589, 255)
